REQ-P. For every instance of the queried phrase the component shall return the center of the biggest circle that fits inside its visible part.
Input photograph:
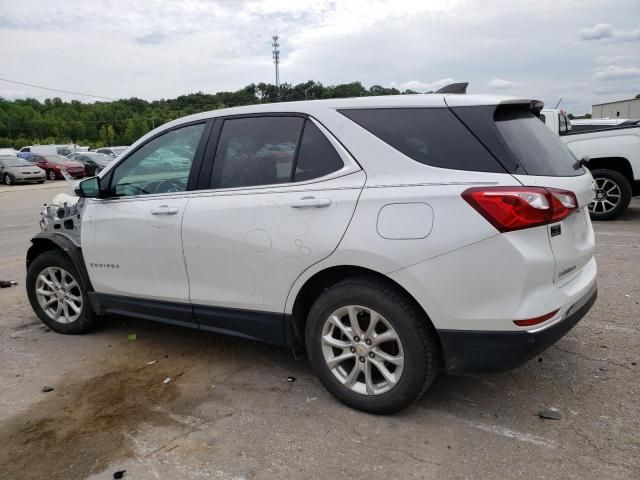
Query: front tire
(7, 179)
(612, 197)
(52, 175)
(370, 346)
(58, 295)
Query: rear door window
(316, 157)
(431, 136)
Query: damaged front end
(64, 216)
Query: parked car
(17, 170)
(389, 237)
(54, 164)
(93, 162)
(12, 152)
(112, 151)
(613, 156)
(29, 150)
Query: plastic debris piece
(152, 362)
(119, 474)
(167, 380)
(132, 336)
(550, 413)
(311, 399)
(291, 379)
(7, 283)
(47, 388)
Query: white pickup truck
(613, 156)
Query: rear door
(282, 193)
(536, 157)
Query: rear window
(537, 150)
(431, 136)
(519, 140)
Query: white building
(622, 109)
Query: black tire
(52, 175)
(417, 337)
(87, 320)
(7, 179)
(597, 209)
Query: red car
(53, 164)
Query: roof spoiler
(460, 87)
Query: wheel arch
(617, 164)
(46, 242)
(323, 279)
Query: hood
(70, 164)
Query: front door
(132, 242)
(281, 199)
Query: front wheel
(52, 175)
(7, 179)
(612, 195)
(57, 294)
(370, 346)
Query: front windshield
(14, 162)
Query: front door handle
(311, 202)
(164, 210)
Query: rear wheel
(57, 294)
(370, 346)
(612, 195)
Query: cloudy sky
(585, 51)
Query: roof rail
(460, 87)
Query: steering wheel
(170, 186)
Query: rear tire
(58, 295)
(409, 358)
(613, 194)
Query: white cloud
(613, 72)
(158, 49)
(500, 84)
(603, 31)
(422, 87)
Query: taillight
(515, 208)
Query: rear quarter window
(431, 136)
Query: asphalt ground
(229, 411)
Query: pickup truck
(613, 156)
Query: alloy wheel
(607, 196)
(52, 175)
(7, 179)
(362, 350)
(59, 295)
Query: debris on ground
(167, 380)
(291, 379)
(312, 399)
(132, 336)
(119, 474)
(152, 362)
(7, 283)
(550, 413)
(46, 389)
(44, 328)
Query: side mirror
(89, 188)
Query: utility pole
(276, 60)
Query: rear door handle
(164, 210)
(311, 202)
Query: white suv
(388, 237)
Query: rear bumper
(469, 351)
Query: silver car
(17, 170)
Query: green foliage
(28, 121)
